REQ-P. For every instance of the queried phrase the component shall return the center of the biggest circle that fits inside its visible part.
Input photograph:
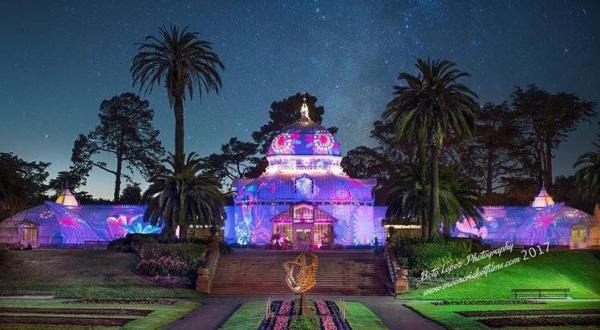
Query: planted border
(87, 311)
(529, 312)
(282, 314)
(545, 321)
(330, 316)
(59, 320)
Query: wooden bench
(540, 293)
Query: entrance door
(302, 236)
(29, 235)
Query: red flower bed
(330, 316)
(281, 322)
(283, 311)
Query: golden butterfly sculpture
(300, 275)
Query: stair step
(340, 273)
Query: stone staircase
(259, 272)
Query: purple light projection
(527, 225)
(305, 187)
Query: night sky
(60, 59)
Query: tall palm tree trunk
(422, 156)
(182, 215)
(179, 133)
(434, 204)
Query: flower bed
(330, 316)
(282, 314)
(56, 320)
(86, 311)
(530, 312)
(545, 321)
(488, 302)
(146, 301)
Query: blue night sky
(60, 59)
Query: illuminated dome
(542, 199)
(304, 138)
(67, 198)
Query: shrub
(177, 259)
(162, 266)
(422, 255)
(3, 247)
(132, 242)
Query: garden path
(216, 310)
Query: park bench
(540, 293)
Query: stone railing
(398, 275)
(206, 274)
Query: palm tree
(185, 197)
(430, 106)
(408, 197)
(411, 193)
(184, 63)
(587, 177)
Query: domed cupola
(304, 138)
(304, 146)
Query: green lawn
(77, 273)
(248, 316)
(445, 314)
(362, 318)
(161, 316)
(577, 270)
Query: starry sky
(60, 59)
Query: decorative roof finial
(304, 109)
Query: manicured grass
(445, 314)
(77, 273)
(362, 318)
(576, 270)
(161, 316)
(248, 316)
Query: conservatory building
(65, 222)
(542, 222)
(304, 198)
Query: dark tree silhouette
(183, 63)
(21, 183)
(234, 162)
(587, 176)
(545, 120)
(73, 178)
(284, 113)
(486, 157)
(427, 108)
(185, 198)
(131, 194)
(410, 193)
(125, 132)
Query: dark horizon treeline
(509, 156)
(506, 160)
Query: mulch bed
(489, 302)
(89, 311)
(546, 321)
(108, 322)
(124, 301)
(529, 312)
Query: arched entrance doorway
(305, 226)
